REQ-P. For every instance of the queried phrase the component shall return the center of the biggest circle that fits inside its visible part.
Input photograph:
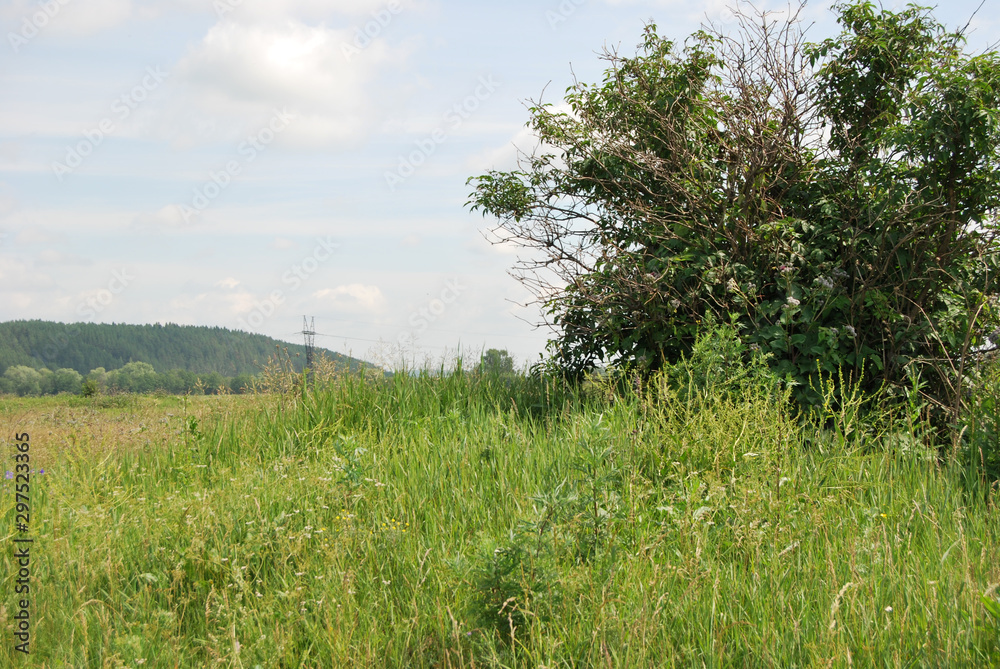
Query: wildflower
(888, 609)
(785, 269)
(10, 475)
(792, 302)
(825, 282)
(851, 331)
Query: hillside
(87, 346)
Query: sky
(243, 163)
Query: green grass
(460, 521)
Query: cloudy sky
(242, 163)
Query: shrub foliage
(836, 201)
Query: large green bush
(837, 201)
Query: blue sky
(241, 163)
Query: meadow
(471, 520)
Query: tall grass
(466, 520)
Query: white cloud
(240, 73)
(170, 217)
(37, 234)
(86, 17)
(67, 17)
(503, 157)
(60, 259)
(228, 282)
(282, 243)
(16, 273)
(15, 302)
(309, 9)
(225, 306)
(523, 141)
(353, 297)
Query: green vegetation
(87, 346)
(172, 359)
(794, 461)
(134, 377)
(836, 201)
(496, 362)
(498, 520)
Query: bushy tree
(98, 380)
(240, 383)
(65, 380)
(835, 202)
(495, 361)
(134, 377)
(24, 380)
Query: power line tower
(309, 332)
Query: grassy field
(464, 521)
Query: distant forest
(42, 357)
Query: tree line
(133, 377)
(169, 349)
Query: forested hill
(87, 346)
